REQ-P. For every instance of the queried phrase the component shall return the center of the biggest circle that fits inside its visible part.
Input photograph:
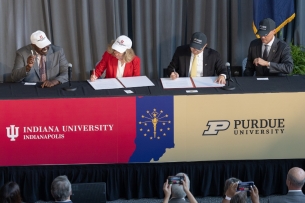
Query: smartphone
(245, 186)
(175, 179)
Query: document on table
(107, 83)
(136, 81)
(184, 82)
(206, 82)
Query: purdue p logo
(12, 132)
(216, 126)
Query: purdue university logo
(12, 132)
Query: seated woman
(10, 193)
(177, 192)
(231, 195)
(119, 60)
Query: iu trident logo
(12, 132)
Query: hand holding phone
(245, 186)
(175, 179)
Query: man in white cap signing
(268, 56)
(197, 60)
(40, 61)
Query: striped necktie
(42, 68)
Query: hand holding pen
(30, 61)
(93, 76)
(174, 75)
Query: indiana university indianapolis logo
(12, 132)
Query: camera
(175, 179)
(245, 186)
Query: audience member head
(177, 189)
(240, 197)
(61, 188)
(236, 197)
(295, 178)
(228, 183)
(121, 48)
(10, 193)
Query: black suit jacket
(291, 197)
(280, 59)
(212, 63)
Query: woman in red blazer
(119, 60)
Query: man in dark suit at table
(197, 60)
(40, 61)
(268, 56)
(61, 189)
(295, 181)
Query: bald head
(295, 178)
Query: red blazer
(110, 63)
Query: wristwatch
(228, 198)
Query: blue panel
(155, 128)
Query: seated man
(61, 189)
(177, 191)
(268, 56)
(295, 181)
(40, 62)
(197, 60)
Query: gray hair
(295, 181)
(61, 188)
(177, 189)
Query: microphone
(227, 86)
(70, 88)
(69, 73)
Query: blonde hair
(128, 55)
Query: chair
(89, 192)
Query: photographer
(178, 191)
(234, 196)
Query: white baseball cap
(122, 43)
(40, 39)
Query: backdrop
(85, 27)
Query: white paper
(206, 82)
(191, 91)
(262, 78)
(136, 81)
(183, 82)
(30, 83)
(103, 84)
(128, 91)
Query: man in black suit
(197, 60)
(295, 181)
(268, 56)
(61, 189)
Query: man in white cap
(197, 60)
(268, 56)
(40, 61)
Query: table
(152, 124)
(201, 147)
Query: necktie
(194, 66)
(42, 68)
(265, 54)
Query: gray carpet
(200, 200)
